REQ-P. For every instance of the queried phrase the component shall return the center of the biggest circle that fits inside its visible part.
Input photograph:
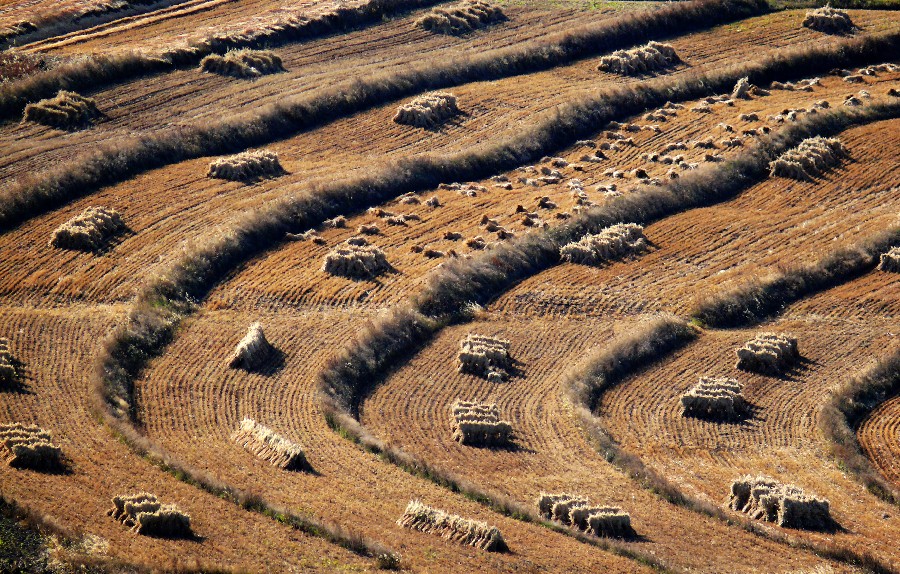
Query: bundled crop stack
(890, 261)
(66, 111)
(270, 446)
(89, 230)
(29, 446)
(243, 63)
(485, 356)
(784, 504)
(146, 515)
(355, 261)
(479, 424)
(424, 518)
(246, 166)
(641, 60)
(717, 398)
(577, 512)
(462, 18)
(829, 20)
(427, 110)
(252, 351)
(768, 353)
(810, 159)
(8, 372)
(611, 243)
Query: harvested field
(878, 437)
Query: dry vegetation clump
(263, 442)
(715, 398)
(67, 111)
(29, 446)
(355, 261)
(484, 356)
(427, 110)
(784, 504)
(829, 20)
(89, 230)
(890, 261)
(611, 243)
(243, 63)
(252, 351)
(146, 515)
(8, 372)
(810, 159)
(462, 18)
(651, 57)
(577, 512)
(423, 518)
(768, 353)
(478, 424)
(246, 166)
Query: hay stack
(246, 166)
(743, 89)
(8, 372)
(478, 424)
(890, 261)
(611, 243)
(146, 515)
(89, 230)
(715, 398)
(427, 110)
(252, 351)
(484, 356)
(768, 353)
(812, 158)
(829, 20)
(577, 512)
(29, 446)
(243, 63)
(423, 518)
(355, 261)
(784, 504)
(270, 446)
(610, 521)
(641, 60)
(66, 111)
(461, 18)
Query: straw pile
(829, 20)
(146, 515)
(252, 351)
(783, 504)
(768, 353)
(269, 446)
(355, 261)
(484, 356)
(890, 261)
(478, 424)
(611, 243)
(427, 110)
(577, 512)
(715, 398)
(89, 230)
(461, 18)
(810, 159)
(424, 518)
(29, 446)
(243, 63)
(66, 111)
(643, 59)
(8, 372)
(246, 166)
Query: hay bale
(9, 374)
(890, 261)
(478, 424)
(427, 110)
(476, 242)
(768, 353)
(355, 261)
(88, 231)
(433, 201)
(423, 518)
(829, 20)
(813, 157)
(252, 351)
(66, 111)
(484, 356)
(611, 243)
(651, 57)
(270, 446)
(715, 398)
(246, 166)
(29, 446)
(461, 18)
(244, 63)
(146, 515)
(338, 222)
(751, 117)
(786, 505)
(577, 512)
(610, 522)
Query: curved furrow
(879, 435)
